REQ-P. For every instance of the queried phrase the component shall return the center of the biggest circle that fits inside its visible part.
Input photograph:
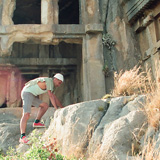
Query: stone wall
(131, 36)
(11, 83)
(88, 41)
(43, 38)
(147, 30)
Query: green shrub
(38, 151)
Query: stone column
(93, 77)
(89, 12)
(7, 12)
(93, 80)
(82, 13)
(49, 11)
(13, 89)
(92, 11)
(43, 51)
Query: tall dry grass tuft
(152, 106)
(135, 82)
(129, 83)
(149, 152)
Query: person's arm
(52, 99)
(58, 103)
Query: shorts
(28, 100)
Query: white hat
(59, 76)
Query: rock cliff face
(99, 129)
(134, 26)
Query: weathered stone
(92, 11)
(132, 48)
(93, 62)
(99, 129)
(132, 105)
(114, 112)
(49, 12)
(117, 137)
(74, 125)
(92, 28)
(86, 130)
(51, 30)
(7, 13)
(135, 8)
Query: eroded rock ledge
(103, 129)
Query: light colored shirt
(33, 87)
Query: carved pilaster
(49, 12)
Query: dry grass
(129, 83)
(134, 82)
(152, 108)
(149, 152)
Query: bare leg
(23, 122)
(43, 108)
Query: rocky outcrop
(73, 126)
(99, 129)
(117, 129)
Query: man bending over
(32, 89)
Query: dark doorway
(68, 11)
(28, 77)
(27, 12)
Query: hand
(56, 108)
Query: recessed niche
(68, 11)
(27, 12)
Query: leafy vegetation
(39, 150)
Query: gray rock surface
(118, 137)
(9, 126)
(98, 129)
(85, 130)
(74, 125)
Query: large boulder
(74, 125)
(119, 107)
(118, 137)
(99, 129)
